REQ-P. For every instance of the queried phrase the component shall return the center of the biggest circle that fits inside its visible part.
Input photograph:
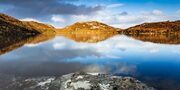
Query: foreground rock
(74, 81)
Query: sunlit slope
(167, 27)
(88, 27)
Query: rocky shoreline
(74, 81)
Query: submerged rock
(77, 81)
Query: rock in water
(77, 81)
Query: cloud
(123, 13)
(157, 12)
(123, 19)
(154, 50)
(96, 69)
(57, 19)
(115, 5)
(40, 8)
(124, 68)
(29, 19)
(59, 45)
(31, 45)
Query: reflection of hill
(90, 32)
(13, 30)
(14, 33)
(163, 39)
(12, 44)
(91, 37)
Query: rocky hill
(88, 27)
(73, 81)
(168, 27)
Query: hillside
(88, 27)
(10, 25)
(40, 27)
(167, 27)
(12, 30)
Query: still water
(155, 64)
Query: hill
(40, 27)
(10, 25)
(13, 31)
(88, 27)
(167, 27)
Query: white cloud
(57, 19)
(126, 69)
(157, 12)
(80, 18)
(59, 45)
(122, 21)
(115, 5)
(126, 20)
(154, 50)
(29, 19)
(32, 45)
(96, 69)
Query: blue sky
(118, 13)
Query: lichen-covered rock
(84, 81)
(76, 81)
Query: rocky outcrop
(74, 81)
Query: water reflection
(90, 37)
(155, 64)
(160, 38)
(8, 44)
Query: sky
(117, 13)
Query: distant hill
(88, 27)
(155, 28)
